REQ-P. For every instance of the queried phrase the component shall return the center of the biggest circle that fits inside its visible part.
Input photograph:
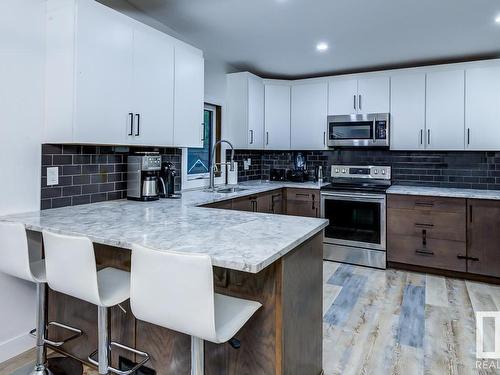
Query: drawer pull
(424, 252)
(473, 259)
(422, 225)
(424, 204)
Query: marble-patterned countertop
(236, 240)
(444, 192)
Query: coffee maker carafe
(167, 181)
(142, 177)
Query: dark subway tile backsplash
(89, 174)
(458, 169)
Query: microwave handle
(374, 129)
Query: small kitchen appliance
(355, 205)
(142, 177)
(167, 181)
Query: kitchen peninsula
(274, 259)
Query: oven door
(355, 219)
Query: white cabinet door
(343, 97)
(153, 88)
(309, 116)
(445, 110)
(277, 117)
(104, 71)
(373, 95)
(189, 96)
(407, 125)
(482, 109)
(255, 113)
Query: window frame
(197, 181)
(199, 176)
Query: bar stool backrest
(71, 266)
(14, 253)
(174, 290)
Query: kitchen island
(274, 259)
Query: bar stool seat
(38, 271)
(175, 290)
(72, 270)
(114, 286)
(230, 315)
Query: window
(198, 159)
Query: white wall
(21, 106)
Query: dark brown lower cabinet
(483, 234)
(302, 202)
(427, 232)
(277, 202)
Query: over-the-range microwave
(368, 130)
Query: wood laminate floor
(389, 323)
(397, 322)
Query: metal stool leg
(103, 340)
(41, 350)
(197, 356)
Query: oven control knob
(375, 171)
(337, 170)
(383, 171)
(343, 170)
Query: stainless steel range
(355, 204)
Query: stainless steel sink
(229, 190)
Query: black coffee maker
(167, 181)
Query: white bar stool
(72, 270)
(175, 291)
(15, 261)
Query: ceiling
(277, 38)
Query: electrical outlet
(52, 176)
(246, 166)
(249, 161)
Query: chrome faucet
(213, 164)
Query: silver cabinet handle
(138, 117)
(267, 138)
(359, 101)
(251, 137)
(324, 138)
(202, 132)
(354, 102)
(421, 136)
(428, 136)
(468, 136)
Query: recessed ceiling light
(322, 46)
(497, 19)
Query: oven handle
(357, 197)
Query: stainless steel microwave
(369, 130)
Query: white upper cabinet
(277, 116)
(482, 108)
(373, 95)
(189, 97)
(343, 97)
(445, 110)
(359, 95)
(110, 80)
(245, 108)
(309, 116)
(407, 123)
(153, 102)
(103, 75)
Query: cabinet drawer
(436, 254)
(425, 203)
(436, 224)
(307, 195)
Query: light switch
(52, 176)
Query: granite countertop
(444, 192)
(243, 241)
